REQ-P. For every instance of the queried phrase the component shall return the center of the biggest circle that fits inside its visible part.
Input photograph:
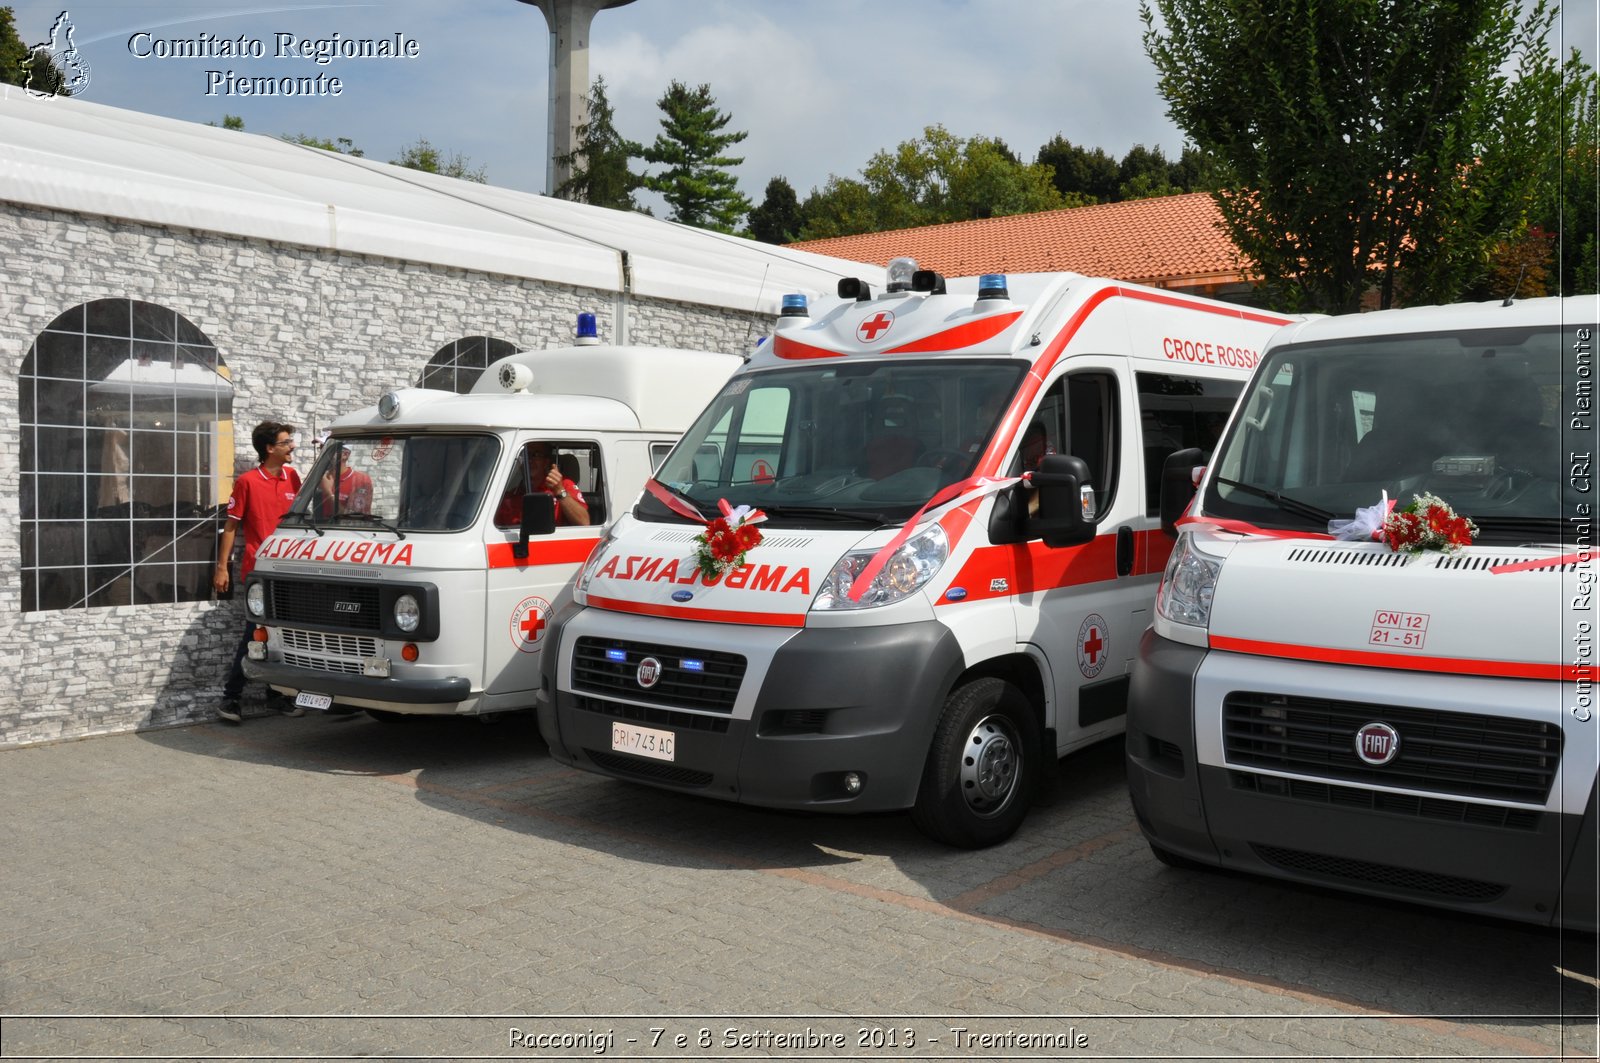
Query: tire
(978, 781)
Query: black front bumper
(835, 701)
(444, 691)
(1532, 867)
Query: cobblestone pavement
(333, 886)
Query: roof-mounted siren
(993, 286)
(900, 271)
(795, 311)
(515, 377)
(588, 333)
(854, 288)
(926, 280)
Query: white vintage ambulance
(1412, 725)
(918, 627)
(419, 566)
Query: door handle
(1124, 550)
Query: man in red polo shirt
(260, 499)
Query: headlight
(908, 568)
(1187, 585)
(596, 557)
(407, 613)
(255, 599)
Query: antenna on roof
(751, 326)
(1517, 286)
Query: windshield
(868, 443)
(1472, 417)
(429, 482)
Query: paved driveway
(334, 886)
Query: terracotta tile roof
(1171, 241)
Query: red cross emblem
(528, 624)
(869, 329)
(1092, 645)
(1092, 636)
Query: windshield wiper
(308, 519)
(834, 513)
(1283, 502)
(373, 518)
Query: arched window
(127, 455)
(458, 365)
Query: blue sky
(819, 85)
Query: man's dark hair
(266, 433)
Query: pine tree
(778, 219)
(601, 176)
(696, 183)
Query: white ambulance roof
(575, 389)
(1522, 313)
(1101, 314)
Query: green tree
(778, 219)
(1363, 141)
(1571, 196)
(935, 178)
(342, 145)
(1088, 173)
(424, 156)
(696, 183)
(601, 175)
(14, 53)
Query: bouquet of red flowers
(722, 546)
(1428, 523)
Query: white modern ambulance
(918, 628)
(424, 582)
(1333, 711)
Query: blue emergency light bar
(587, 329)
(794, 305)
(617, 655)
(993, 286)
(691, 664)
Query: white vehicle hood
(1469, 613)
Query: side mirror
(538, 518)
(1177, 486)
(1066, 502)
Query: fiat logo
(649, 673)
(1377, 743)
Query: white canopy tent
(67, 154)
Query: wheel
(385, 716)
(977, 783)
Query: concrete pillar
(569, 77)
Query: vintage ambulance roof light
(794, 305)
(588, 332)
(900, 271)
(854, 288)
(993, 286)
(389, 406)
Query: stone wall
(307, 335)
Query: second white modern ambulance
(954, 491)
(1397, 715)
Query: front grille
(649, 714)
(656, 770)
(1464, 754)
(324, 651)
(1409, 880)
(352, 606)
(611, 667)
(1438, 809)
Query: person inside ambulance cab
(1035, 445)
(892, 444)
(536, 468)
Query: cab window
(577, 463)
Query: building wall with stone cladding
(308, 335)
